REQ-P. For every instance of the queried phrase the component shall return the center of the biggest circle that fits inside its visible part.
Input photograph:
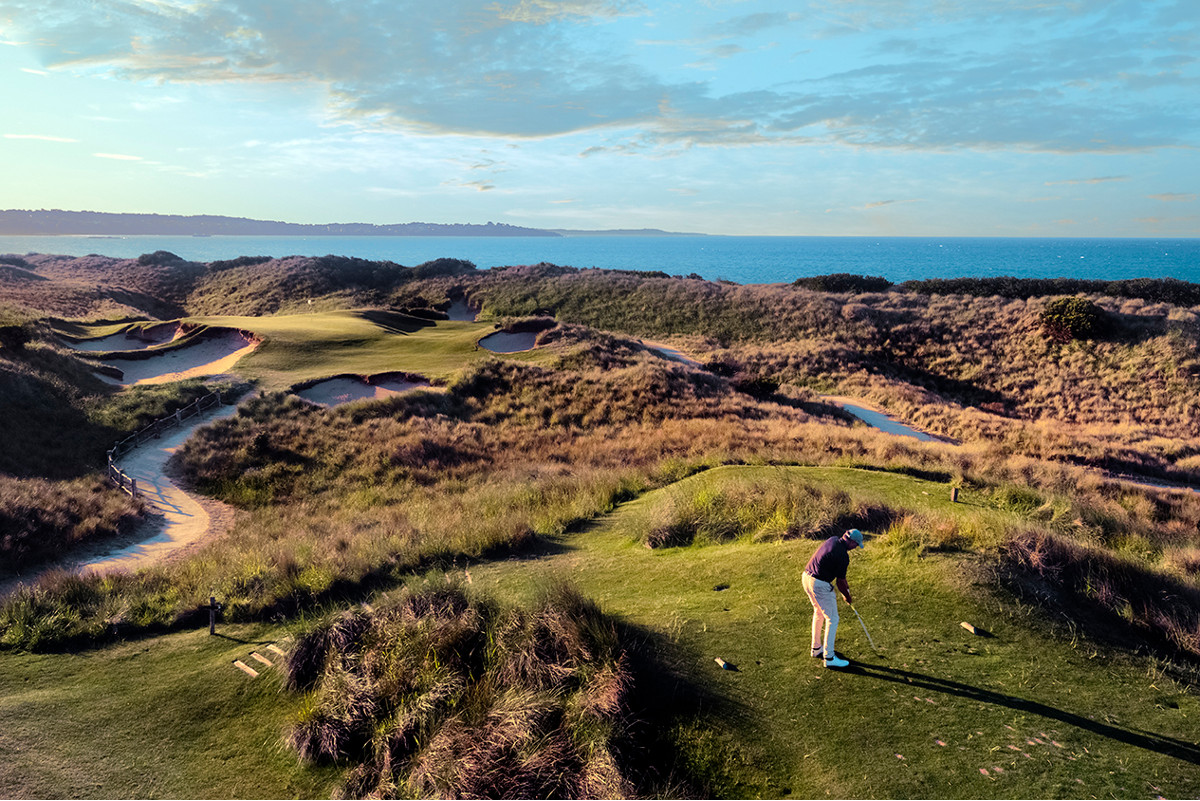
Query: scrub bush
(844, 282)
(1065, 319)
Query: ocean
(741, 259)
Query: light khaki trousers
(825, 613)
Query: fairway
(303, 347)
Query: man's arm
(844, 589)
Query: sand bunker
(669, 353)
(504, 342)
(879, 420)
(133, 339)
(209, 356)
(346, 389)
(461, 312)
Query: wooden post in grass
(213, 608)
(954, 495)
(132, 487)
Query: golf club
(864, 628)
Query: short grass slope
(1025, 711)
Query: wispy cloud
(542, 11)
(1081, 77)
(880, 203)
(1174, 197)
(31, 71)
(40, 137)
(1076, 181)
(117, 157)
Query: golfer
(826, 568)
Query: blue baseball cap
(855, 535)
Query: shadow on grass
(396, 322)
(1150, 741)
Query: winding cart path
(177, 520)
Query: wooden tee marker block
(242, 666)
(259, 657)
(275, 649)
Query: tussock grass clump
(40, 520)
(1106, 586)
(918, 534)
(763, 511)
(440, 694)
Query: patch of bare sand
(670, 353)
(337, 391)
(210, 356)
(134, 339)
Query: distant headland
(54, 222)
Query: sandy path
(877, 418)
(176, 521)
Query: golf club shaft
(864, 627)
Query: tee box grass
(167, 716)
(938, 712)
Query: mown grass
(925, 715)
(166, 717)
(301, 347)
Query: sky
(741, 117)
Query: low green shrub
(844, 282)
(1065, 319)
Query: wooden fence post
(954, 495)
(213, 608)
(133, 487)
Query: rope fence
(154, 431)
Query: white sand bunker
(460, 311)
(133, 339)
(347, 388)
(506, 342)
(209, 356)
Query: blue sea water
(743, 260)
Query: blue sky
(827, 117)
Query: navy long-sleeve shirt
(830, 561)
